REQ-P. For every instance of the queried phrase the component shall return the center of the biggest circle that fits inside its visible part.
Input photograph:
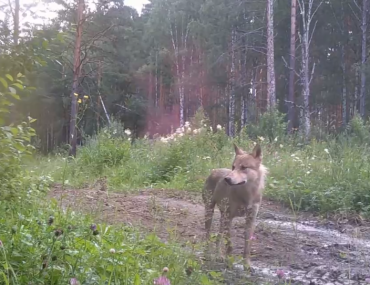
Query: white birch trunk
(232, 86)
(363, 58)
(271, 86)
(306, 75)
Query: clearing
(308, 250)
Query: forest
(111, 119)
(152, 72)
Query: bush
(271, 125)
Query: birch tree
(363, 57)
(308, 12)
(291, 97)
(271, 86)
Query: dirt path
(309, 251)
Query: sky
(137, 4)
(45, 10)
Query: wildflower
(75, 94)
(58, 232)
(187, 124)
(276, 139)
(367, 280)
(165, 269)
(181, 134)
(74, 281)
(93, 227)
(326, 150)
(128, 132)
(280, 273)
(281, 146)
(195, 132)
(210, 128)
(1, 244)
(219, 127)
(253, 237)
(86, 97)
(261, 139)
(112, 251)
(163, 280)
(79, 101)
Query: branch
(291, 69)
(312, 72)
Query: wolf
(237, 192)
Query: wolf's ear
(238, 151)
(257, 151)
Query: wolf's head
(246, 166)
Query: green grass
(43, 244)
(327, 176)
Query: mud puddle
(304, 250)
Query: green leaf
(19, 75)
(3, 81)
(20, 86)
(45, 44)
(137, 279)
(9, 77)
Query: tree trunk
(306, 75)
(363, 58)
(16, 23)
(271, 86)
(232, 86)
(344, 88)
(243, 108)
(291, 97)
(76, 74)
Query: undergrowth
(330, 175)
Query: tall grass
(325, 176)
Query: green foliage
(271, 125)
(326, 177)
(42, 244)
(15, 141)
(358, 130)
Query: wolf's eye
(233, 167)
(243, 167)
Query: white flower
(261, 139)
(211, 128)
(128, 132)
(112, 250)
(276, 139)
(281, 146)
(187, 124)
(195, 132)
(181, 134)
(219, 127)
(326, 150)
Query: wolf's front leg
(250, 221)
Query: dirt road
(307, 250)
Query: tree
(271, 86)
(305, 37)
(363, 57)
(291, 96)
(76, 76)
